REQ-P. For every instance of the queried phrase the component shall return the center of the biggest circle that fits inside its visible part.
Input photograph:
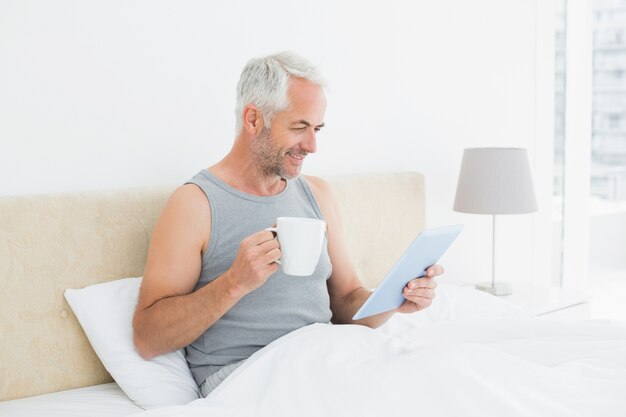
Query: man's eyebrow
(306, 123)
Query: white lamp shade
(495, 181)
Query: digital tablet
(427, 248)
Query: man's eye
(301, 129)
(317, 129)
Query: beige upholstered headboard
(53, 242)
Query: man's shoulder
(189, 192)
(318, 183)
(188, 199)
(321, 188)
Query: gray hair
(264, 82)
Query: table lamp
(495, 181)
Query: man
(211, 282)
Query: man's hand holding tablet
(420, 292)
(409, 285)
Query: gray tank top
(283, 304)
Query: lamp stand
(501, 288)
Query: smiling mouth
(297, 156)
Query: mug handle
(275, 230)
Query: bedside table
(550, 302)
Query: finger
(271, 256)
(431, 283)
(422, 305)
(268, 245)
(259, 251)
(260, 237)
(273, 267)
(422, 282)
(419, 303)
(420, 293)
(434, 270)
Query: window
(589, 215)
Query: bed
(71, 264)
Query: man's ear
(252, 119)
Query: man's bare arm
(169, 314)
(346, 291)
(344, 287)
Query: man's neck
(245, 176)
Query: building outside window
(606, 199)
(608, 136)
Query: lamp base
(499, 288)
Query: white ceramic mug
(301, 240)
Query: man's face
(281, 150)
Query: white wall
(607, 244)
(108, 94)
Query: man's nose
(310, 143)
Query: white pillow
(105, 311)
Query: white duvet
(470, 354)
